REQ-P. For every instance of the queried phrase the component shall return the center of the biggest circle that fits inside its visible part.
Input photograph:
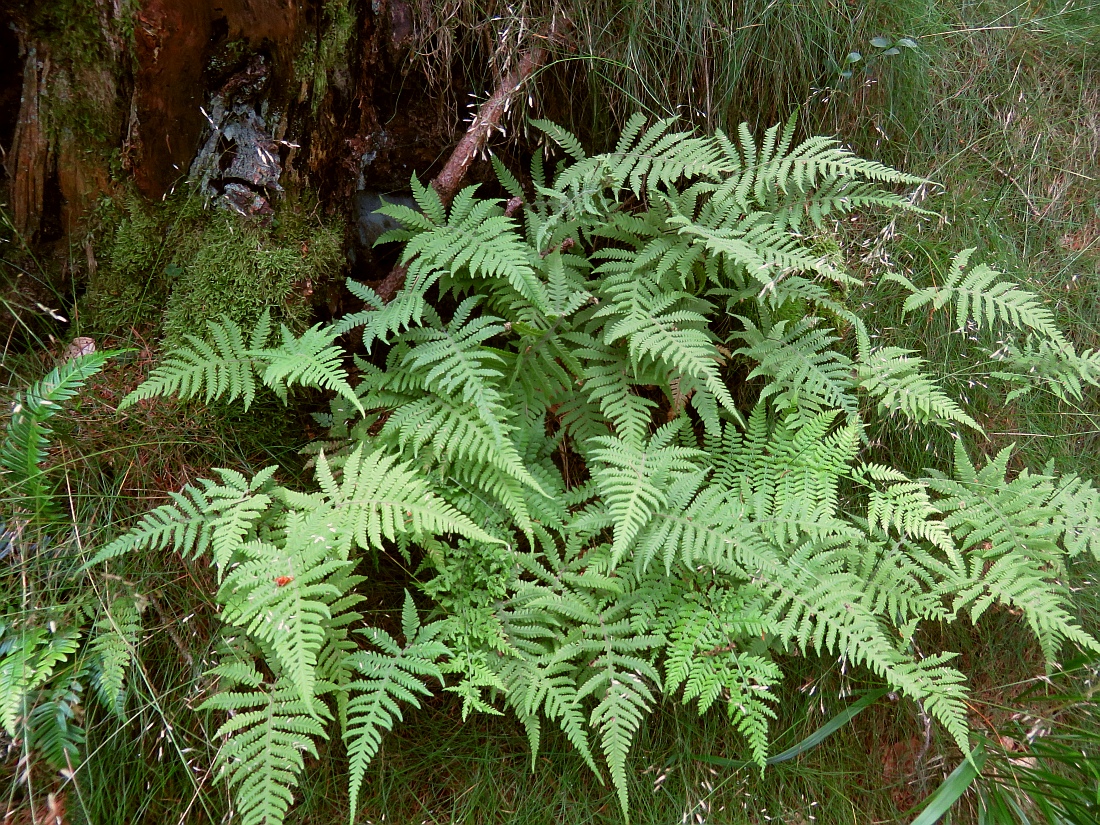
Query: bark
(26, 162)
(172, 47)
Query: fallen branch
(488, 117)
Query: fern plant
(622, 440)
(50, 655)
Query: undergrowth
(996, 104)
(554, 448)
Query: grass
(1013, 136)
(151, 763)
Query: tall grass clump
(710, 63)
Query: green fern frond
(380, 321)
(281, 596)
(981, 296)
(203, 514)
(896, 378)
(607, 382)
(462, 441)
(621, 682)
(227, 367)
(394, 674)
(310, 360)
(113, 649)
(1077, 503)
(564, 138)
(477, 239)
(28, 657)
(380, 498)
(23, 448)
(667, 328)
(632, 481)
(270, 727)
(455, 362)
(806, 372)
(53, 726)
(548, 686)
(1009, 532)
(1058, 368)
(906, 507)
(702, 656)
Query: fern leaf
(281, 596)
(113, 650)
(806, 372)
(395, 674)
(565, 139)
(896, 378)
(632, 483)
(53, 726)
(28, 657)
(381, 498)
(270, 729)
(223, 367)
(23, 448)
(310, 360)
(983, 297)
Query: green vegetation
(911, 425)
(326, 50)
(190, 262)
(583, 560)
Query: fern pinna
(622, 437)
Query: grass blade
(811, 741)
(952, 788)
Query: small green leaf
(881, 42)
(908, 42)
(854, 57)
(892, 51)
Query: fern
(271, 728)
(281, 596)
(28, 658)
(805, 373)
(227, 368)
(625, 454)
(704, 635)
(113, 649)
(53, 726)
(393, 674)
(620, 681)
(982, 297)
(632, 482)
(1006, 529)
(23, 448)
(895, 377)
(1058, 368)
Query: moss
(87, 46)
(127, 284)
(320, 56)
(239, 267)
(177, 264)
